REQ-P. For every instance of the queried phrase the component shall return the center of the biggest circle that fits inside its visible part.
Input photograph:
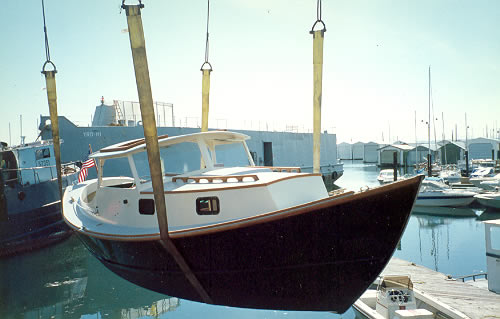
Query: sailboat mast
(416, 142)
(429, 121)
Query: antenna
(21, 123)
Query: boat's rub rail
(244, 222)
(234, 187)
(212, 179)
(127, 145)
(290, 169)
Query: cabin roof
(126, 148)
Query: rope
(318, 17)
(47, 48)
(206, 40)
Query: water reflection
(64, 281)
(451, 245)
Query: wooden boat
(255, 237)
(395, 297)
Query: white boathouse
(483, 148)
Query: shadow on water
(64, 281)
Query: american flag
(84, 171)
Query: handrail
(64, 167)
(37, 167)
(473, 276)
(212, 179)
(289, 169)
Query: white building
(358, 150)
(344, 151)
(483, 148)
(370, 154)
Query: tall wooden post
(318, 39)
(138, 47)
(3, 200)
(205, 98)
(395, 165)
(50, 80)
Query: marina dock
(473, 301)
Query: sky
(375, 75)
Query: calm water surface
(65, 281)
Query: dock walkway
(475, 302)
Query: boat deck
(471, 300)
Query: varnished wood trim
(235, 187)
(263, 218)
(128, 145)
(211, 179)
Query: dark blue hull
(33, 218)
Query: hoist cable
(206, 40)
(318, 17)
(206, 43)
(47, 48)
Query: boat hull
(321, 257)
(489, 201)
(33, 217)
(443, 201)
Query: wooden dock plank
(475, 302)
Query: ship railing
(13, 175)
(473, 276)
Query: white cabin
(30, 163)
(222, 190)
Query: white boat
(450, 175)
(491, 184)
(489, 199)
(435, 193)
(387, 176)
(254, 237)
(395, 297)
(487, 175)
(482, 174)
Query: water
(65, 281)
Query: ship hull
(32, 218)
(320, 257)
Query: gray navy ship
(120, 122)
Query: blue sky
(376, 60)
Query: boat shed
(483, 148)
(451, 152)
(344, 151)
(370, 154)
(419, 153)
(385, 154)
(358, 151)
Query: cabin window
(231, 154)
(42, 153)
(207, 206)
(146, 206)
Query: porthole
(207, 206)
